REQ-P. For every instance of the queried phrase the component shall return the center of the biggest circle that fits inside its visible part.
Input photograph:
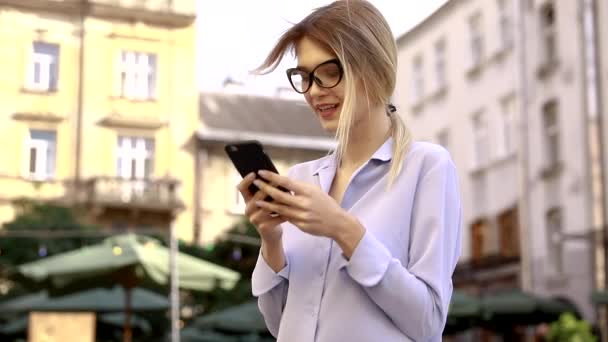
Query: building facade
(100, 106)
(516, 125)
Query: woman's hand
(309, 208)
(267, 225)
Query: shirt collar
(383, 154)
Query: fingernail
(263, 172)
(259, 203)
(257, 182)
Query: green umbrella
(463, 305)
(463, 313)
(192, 334)
(515, 307)
(511, 302)
(118, 318)
(243, 318)
(98, 300)
(129, 260)
(195, 335)
(599, 297)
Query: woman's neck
(365, 138)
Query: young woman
(364, 247)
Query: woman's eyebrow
(302, 67)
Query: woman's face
(325, 102)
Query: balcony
(172, 13)
(159, 195)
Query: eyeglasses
(326, 75)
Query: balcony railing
(177, 13)
(145, 194)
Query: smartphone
(248, 157)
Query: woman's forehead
(310, 54)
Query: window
(135, 157)
(43, 72)
(506, 130)
(551, 134)
(41, 151)
(548, 32)
(137, 75)
(553, 223)
(443, 138)
(480, 141)
(508, 225)
(418, 80)
(440, 65)
(134, 163)
(476, 41)
(479, 236)
(504, 25)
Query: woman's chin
(330, 126)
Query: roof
(271, 120)
(433, 17)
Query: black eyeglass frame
(311, 76)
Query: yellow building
(99, 106)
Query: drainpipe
(80, 102)
(200, 158)
(527, 267)
(595, 153)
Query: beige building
(459, 85)
(100, 106)
(284, 124)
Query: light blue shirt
(397, 284)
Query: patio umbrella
(243, 318)
(118, 318)
(193, 334)
(463, 313)
(98, 300)
(515, 307)
(128, 260)
(240, 323)
(599, 297)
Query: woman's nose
(315, 90)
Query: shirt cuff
(369, 261)
(265, 278)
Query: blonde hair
(357, 33)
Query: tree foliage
(570, 329)
(39, 219)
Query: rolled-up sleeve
(423, 287)
(271, 289)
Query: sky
(234, 36)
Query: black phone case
(249, 156)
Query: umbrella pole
(127, 333)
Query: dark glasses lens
(325, 75)
(299, 80)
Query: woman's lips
(327, 111)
